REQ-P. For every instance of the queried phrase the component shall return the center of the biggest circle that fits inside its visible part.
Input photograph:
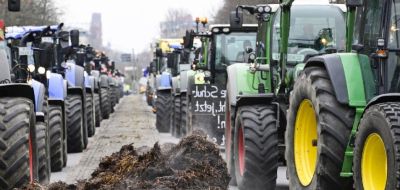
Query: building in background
(96, 31)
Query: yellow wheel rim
(374, 163)
(305, 142)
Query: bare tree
(33, 12)
(175, 24)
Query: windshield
(313, 29)
(231, 48)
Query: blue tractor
(77, 131)
(25, 155)
(83, 59)
(100, 71)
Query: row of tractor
(314, 86)
(54, 92)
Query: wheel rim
(305, 142)
(241, 151)
(374, 163)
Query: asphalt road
(132, 122)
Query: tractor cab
(381, 42)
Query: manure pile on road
(194, 163)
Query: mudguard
(39, 90)
(176, 86)
(351, 76)
(243, 84)
(18, 90)
(57, 89)
(184, 80)
(389, 97)
(75, 75)
(104, 81)
(163, 81)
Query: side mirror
(354, 3)
(14, 5)
(74, 34)
(159, 52)
(236, 18)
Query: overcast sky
(129, 24)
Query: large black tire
(75, 124)
(43, 152)
(177, 117)
(56, 137)
(16, 120)
(113, 98)
(333, 125)
(184, 115)
(163, 107)
(90, 120)
(97, 109)
(382, 120)
(256, 147)
(105, 103)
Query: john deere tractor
(344, 114)
(258, 93)
(222, 46)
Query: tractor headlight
(324, 41)
(260, 9)
(267, 9)
(41, 70)
(31, 68)
(215, 30)
(225, 30)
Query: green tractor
(222, 46)
(344, 110)
(258, 92)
